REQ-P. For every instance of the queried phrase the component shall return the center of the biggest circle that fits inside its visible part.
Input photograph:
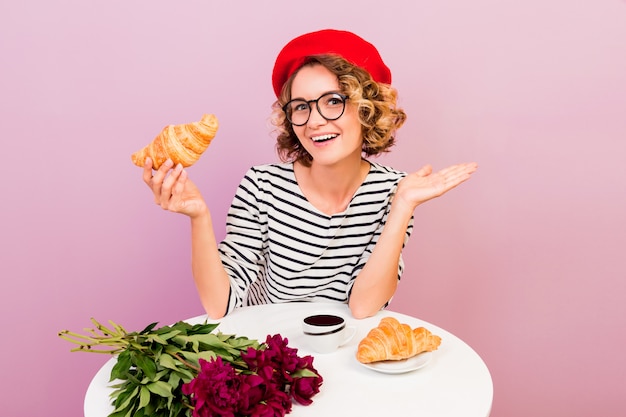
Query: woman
(326, 224)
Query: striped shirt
(278, 247)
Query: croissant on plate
(392, 340)
(182, 143)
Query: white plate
(400, 367)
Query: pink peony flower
(215, 391)
(304, 388)
(285, 359)
(275, 374)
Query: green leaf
(130, 412)
(223, 337)
(168, 335)
(157, 349)
(304, 373)
(181, 340)
(118, 414)
(146, 364)
(162, 373)
(207, 355)
(144, 397)
(174, 380)
(121, 367)
(149, 327)
(131, 376)
(160, 388)
(202, 328)
(167, 361)
(125, 399)
(150, 408)
(156, 338)
(179, 410)
(185, 374)
(191, 356)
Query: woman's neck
(330, 188)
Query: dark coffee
(323, 320)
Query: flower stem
(184, 362)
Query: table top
(455, 381)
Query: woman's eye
(334, 101)
(300, 107)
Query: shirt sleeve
(242, 247)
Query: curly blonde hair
(376, 104)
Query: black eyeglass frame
(317, 105)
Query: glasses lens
(297, 112)
(331, 106)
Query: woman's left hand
(424, 185)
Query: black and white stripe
(278, 247)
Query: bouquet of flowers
(186, 370)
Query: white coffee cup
(324, 332)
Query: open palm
(424, 185)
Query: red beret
(351, 47)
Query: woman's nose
(316, 118)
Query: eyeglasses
(330, 106)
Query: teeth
(323, 138)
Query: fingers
(459, 168)
(457, 174)
(168, 185)
(179, 186)
(425, 170)
(156, 180)
(451, 172)
(163, 181)
(147, 171)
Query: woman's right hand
(173, 190)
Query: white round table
(455, 382)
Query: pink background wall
(525, 262)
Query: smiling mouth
(323, 138)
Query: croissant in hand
(392, 340)
(182, 143)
